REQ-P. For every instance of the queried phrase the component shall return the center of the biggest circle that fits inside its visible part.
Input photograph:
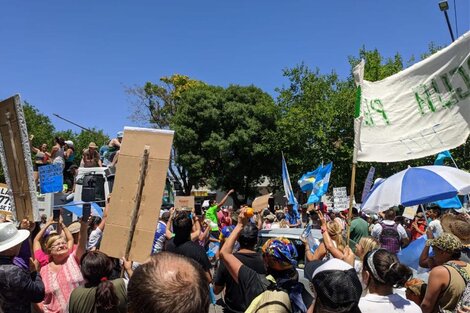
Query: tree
(224, 137)
(156, 105)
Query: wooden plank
(16, 159)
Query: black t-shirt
(191, 250)
(234, 294)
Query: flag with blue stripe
(308, 179)
(320, 187)
(287, 185)
(452, 203)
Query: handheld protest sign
(15, 156)
(184, 202)
(126, 193)
(261, 202)
(51, 178)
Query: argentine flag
(308, 179)
(287, 185)
(320, 187)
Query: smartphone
(56, 215)
(86, 211)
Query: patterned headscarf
(280, 253)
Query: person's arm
(168, 233)
(82, 240)
(203, 236)
(327, 239)
(438, 280)
(221, 203)
(319, 253)
(416, 228)
(425, 260)
(68, 234)
(127, 267)
(233, 264)
(34, 287)
(197, 228)
(102, 224)
(40, 235)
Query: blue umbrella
(418, 185)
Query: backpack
(273, 299)
(390, 238)
(463, 305)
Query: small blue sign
(51, 178)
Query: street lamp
(444, 6)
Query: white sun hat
(10, 236)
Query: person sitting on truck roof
(112, 149)
(91, 157)
(211, 213)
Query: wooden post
(138, 198)
(351, 198)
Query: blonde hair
(335, 232)
(50, 241)
(368, 244)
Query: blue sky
(76, 58)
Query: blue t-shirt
(292, 219)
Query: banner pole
(138, 198)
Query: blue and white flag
(320, 187)
(287, 185)
(441, 157)
(308, 179)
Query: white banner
(420, 111)
(340, 198)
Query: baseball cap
(336, 284)
(120, 134)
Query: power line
(455, 17)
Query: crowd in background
(51, 267)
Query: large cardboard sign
(184, 202)
(410, 212)
(261, 202)
(125, 188)
(15, 156)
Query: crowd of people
(63, 153)
(51, 267)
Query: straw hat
(92, 145)
(457, 225)
(10, 236)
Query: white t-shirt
(436, 228)
(95, 238)
(377, 230)
(373, 303)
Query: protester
(434, 224)
(418, 227)
(224, 218)
(62, 274)
(91, 157)
(279, 256)
(69, 154)
(41, 158)
(335, 284)
(71, 177)
(113, 148)
(390, 234)
(99, 294)
(211, 213)
(57, 152)
(381, 273)
(359, 227)
(18, 287)
(39, 242)
(234, 297)
(447, 279)
(159, 238)
(168, 283)
(182, 244)
(332, 245)
(364, 246)
(292, 218)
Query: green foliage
(224, 137)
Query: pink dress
(60, 285)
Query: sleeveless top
(60, 285)
(39, 158)
(450, 296)
(59, 156)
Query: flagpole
(357, 129)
